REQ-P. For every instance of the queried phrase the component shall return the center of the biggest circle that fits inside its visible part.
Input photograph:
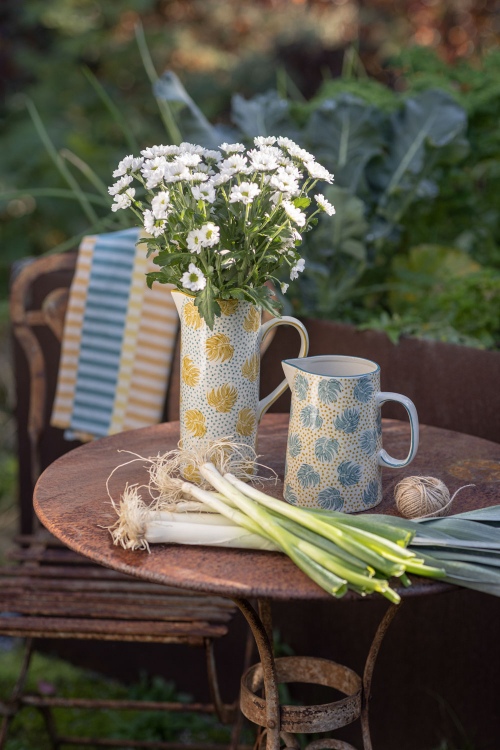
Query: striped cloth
(118, 341)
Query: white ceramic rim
(370, 367)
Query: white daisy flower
(212, 155)
(161, 204)
(176, 171)
(123, 200)
(232, 148)
(189, 160)
(194, 240)
(190, 148)
(154, 151)
(325, 205)
(244, 193)
(153, 171)
(210, 234)
(197, 177)
(300, 153)
(120, 185)
(193, 279)
(152, 225)
(318, 172)
(284, 288)
(263, 140)
(285, 142)
(297, 268)
(234, 164)
(221, 178)
(128, 165)
(293, 171)
(204, 192)
(285, 183)
(263, 161)
(294, 213)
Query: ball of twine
(421, 497)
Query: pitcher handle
(266, 402)
(383, 457)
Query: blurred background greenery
(416, 242)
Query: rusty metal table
(71, 501)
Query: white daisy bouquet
(223, 223)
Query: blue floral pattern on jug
(333, 459)
(348, 421)
(328, 390)
(349, 473)
(363, 390)
(370, 494)
(308, 476)
(325, 448)
(330, 499)
(310, 417)
(369, 441)
(294, 445)
(290, 495)
(301, 387)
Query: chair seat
(53, 592)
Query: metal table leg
(287, 721)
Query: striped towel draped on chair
(118, 341)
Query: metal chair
(49, 592)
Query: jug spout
(290, 369)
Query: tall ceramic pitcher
(220, 371)
(334, 454)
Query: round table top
(71, 501)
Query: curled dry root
(167, 473)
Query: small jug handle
(383, 457)
(266, 402)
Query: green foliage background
(72, 61)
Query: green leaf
(193, 124)
(207, 305)
(302, 202)
(427, 122)
(263, 297)
(165, 258)
(346, 134)
(264, 114)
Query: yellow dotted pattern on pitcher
(195, 422)
(250, 368)
(228, 306)
(224, 398)
(192, 316)
(218, 348)
(246, 422)
(252, 320)
(190, 374)
(220, 374)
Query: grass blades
(113, 110)
(60, 164)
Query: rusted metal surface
(73, 504)
(308, 719)
(271, 710)
(369, 669)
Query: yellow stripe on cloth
(141, 342)
(70, 347)
(151, 338)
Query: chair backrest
(38, 301)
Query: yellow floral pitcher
(220, 371)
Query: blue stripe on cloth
(103, 329)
